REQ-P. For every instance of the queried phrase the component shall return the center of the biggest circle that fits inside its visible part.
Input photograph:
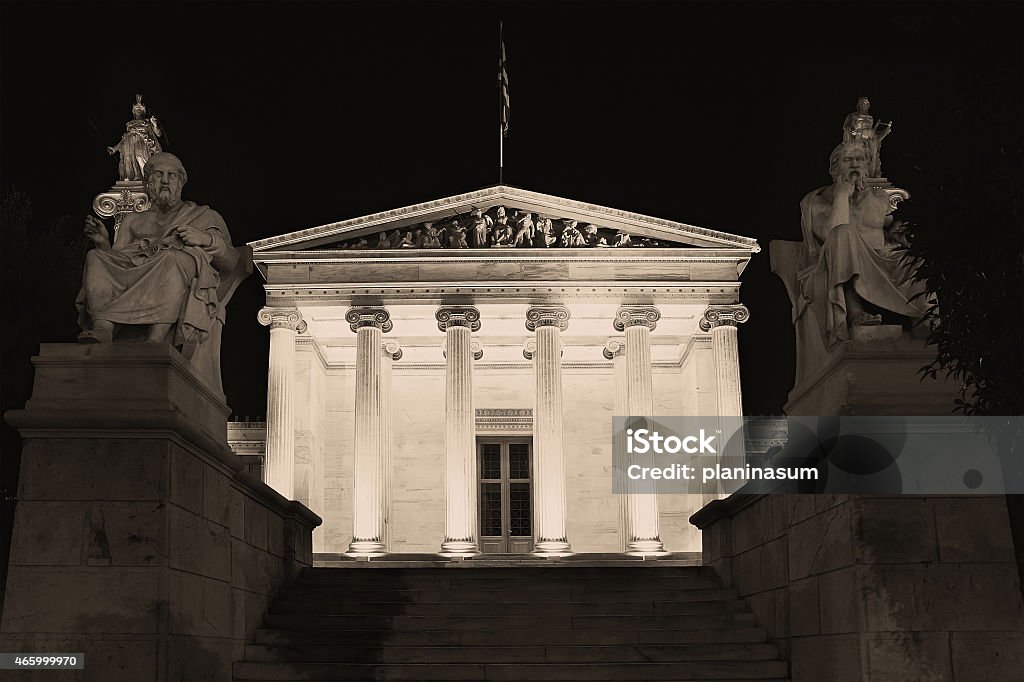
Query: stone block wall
(875, 588)
(138, 539)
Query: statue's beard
(163, 199)
(857, 179)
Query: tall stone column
(391, 351)
(548, 446)
(721, 321)
(615, 350)
(368, 490)
(460, 465)
(285, 324)
(637, 322)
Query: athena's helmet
(138, 109)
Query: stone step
(486, 622)
(512, 654)
(362, 638)
(329, 607)
(546, 569)
(457, 583)
(496, 595)
(702, 670)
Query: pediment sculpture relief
(499, 228)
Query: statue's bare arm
(97, 233)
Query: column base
(456, 548)
(552, 548)
(646, 548)
(366, 548)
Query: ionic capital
(282, 318)
(615, 346)
(391, 349)
(724, 316)
(369, 317)
(547, 316)
(457, 316)
(636, 316)
(475, 347)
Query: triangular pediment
(412, 226)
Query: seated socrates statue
(167, 276)
(849, 271)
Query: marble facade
(385, 389)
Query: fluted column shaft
(722, 322)
(285, 324)
(642, 523)
(460, 465)
(368, 441)
(615, 350)
(548, 446)
(390, 352)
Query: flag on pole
(503, 85)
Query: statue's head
(863, 104)
(852, 162)
(138, 109)
(164, 176)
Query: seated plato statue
(850, 267)
(161, 280)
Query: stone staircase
(470, 621)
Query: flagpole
(501, 104)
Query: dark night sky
(292, 115)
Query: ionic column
(285, 324)
(390, 352)
(615, 350)
(460, 466)
(368, 444)
(721, 321)
(548, 447)
(642, 527)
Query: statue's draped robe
(156, 279)
(854, 253)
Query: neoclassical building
(443, 376)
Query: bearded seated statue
(167, 276)
(849, 271)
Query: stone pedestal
(878, 375)
(875, 589)
(138, 540)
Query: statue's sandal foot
(867, 320)
(95, 336)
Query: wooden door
(505, 495)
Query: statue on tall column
(138, 144)
(167, 275)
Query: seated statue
(850, 264)
(167, 275)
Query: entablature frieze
(537, 293)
